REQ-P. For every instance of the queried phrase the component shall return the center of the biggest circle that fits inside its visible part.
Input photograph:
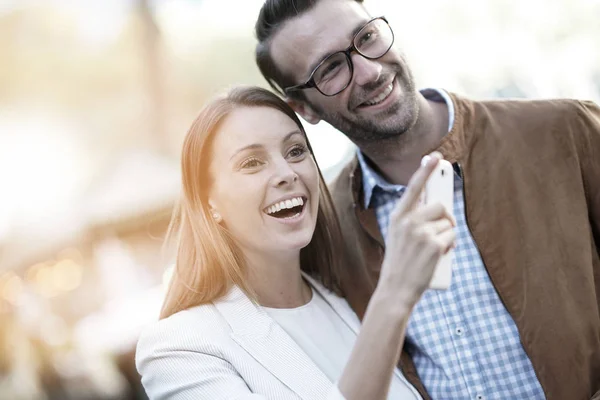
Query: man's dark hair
(273, 14)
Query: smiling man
(521, 318)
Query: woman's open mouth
(286, 209)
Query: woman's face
(265, 183)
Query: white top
(325, 337)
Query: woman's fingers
(446, 240)
(432, 212)
(438, 226)
(417, 182)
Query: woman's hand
(418, 236)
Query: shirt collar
(371, 178)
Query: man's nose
(365, 70)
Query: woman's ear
(216, 216)
(214, 213)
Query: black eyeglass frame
(310, 83)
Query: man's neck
(398, 158)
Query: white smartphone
(440, 189)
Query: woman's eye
(297, 151)
(251, 163)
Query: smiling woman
(253, 310)
(230, 162)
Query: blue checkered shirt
(463, 341)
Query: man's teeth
(282, 205)
(381, 97)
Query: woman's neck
(277, 279)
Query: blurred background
(95, 98)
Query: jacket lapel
(341, 307)
(257, 333)
(366, 216)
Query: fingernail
(425, 160)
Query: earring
(216, 216)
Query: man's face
(328, 27)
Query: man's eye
(367, 37)
(330, 69)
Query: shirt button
(459, 331)
(480, 397)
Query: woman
(253, 309)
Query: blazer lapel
(341, 307)
(257, 333)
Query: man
(521, 319)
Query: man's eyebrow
(357, 29)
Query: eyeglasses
(334, 73)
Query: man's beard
(393, 122)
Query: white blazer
(232, 349)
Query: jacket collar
(455, 144)
(257, 333)
(341, 307)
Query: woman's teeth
(286, 204)
(381, 97)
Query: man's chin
(395, 121)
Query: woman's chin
(291, 242)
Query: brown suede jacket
(531, 175)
